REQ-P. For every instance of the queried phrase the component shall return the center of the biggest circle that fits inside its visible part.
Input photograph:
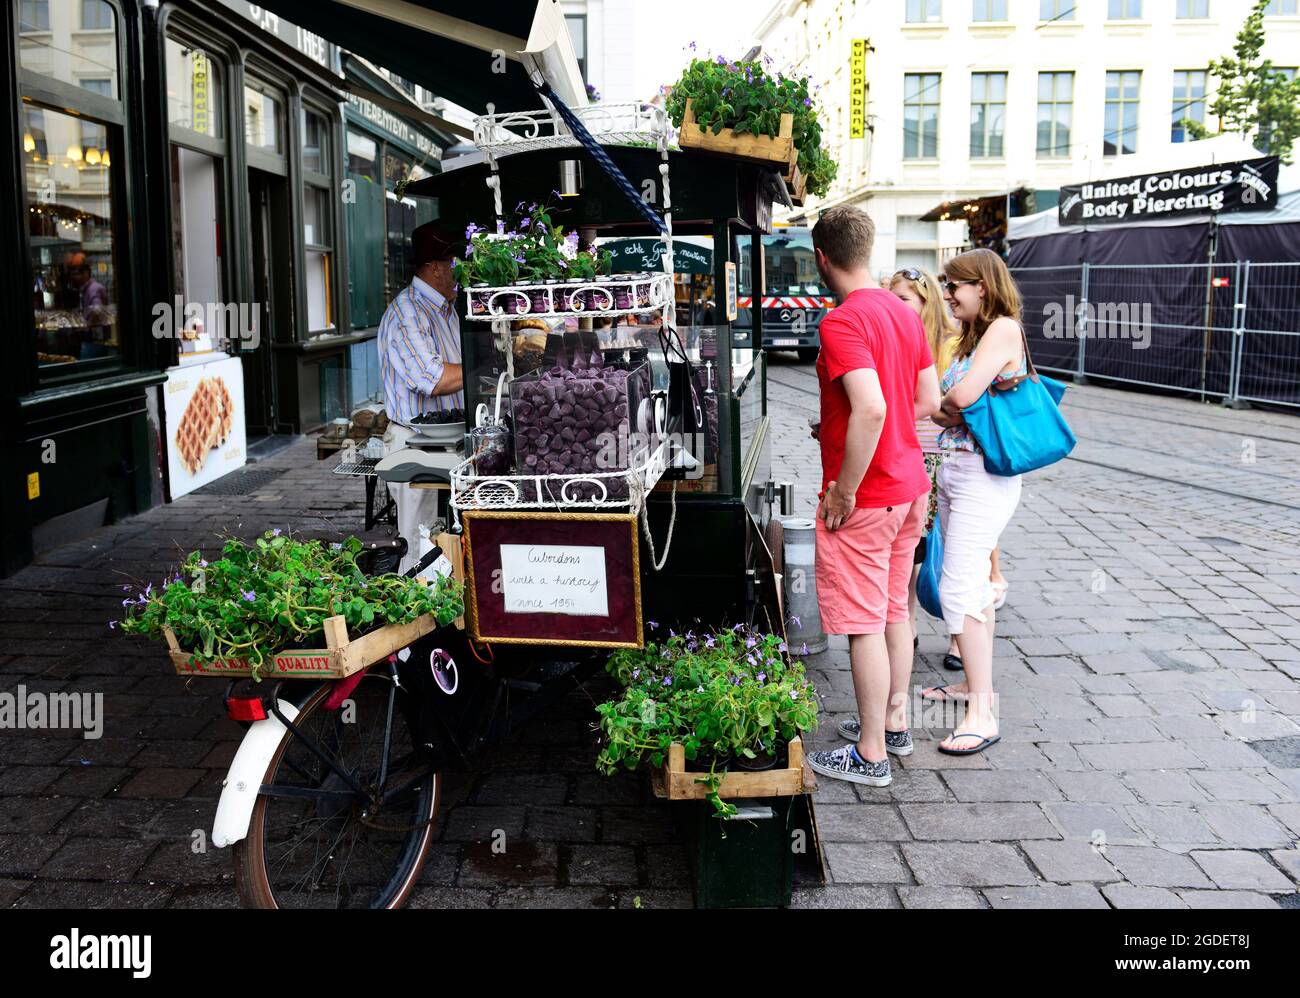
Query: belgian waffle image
(205, 423)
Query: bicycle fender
(244, 778)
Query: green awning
(634, 255)
(445, 45)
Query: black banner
(1249, 185)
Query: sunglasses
(952, 286)
(911, 274)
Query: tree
(1254, 98)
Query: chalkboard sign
(553, 578)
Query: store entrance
(271, 255)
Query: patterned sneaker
(896, 742)
(844, 764)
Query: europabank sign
(1249, 185)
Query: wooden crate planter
(771, 149)
(676, 782)
(342, 656)
(797, 186)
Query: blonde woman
(923, 293)
(974, 506)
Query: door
(272, 305)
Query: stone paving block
(1237, 869)
(1091, 787)
(1070, 862)
(865, 863)
(1226, 899)
(843, 896)
(1128, 896)
(940, 897)
(1171, 825)
(1235, 785)
(97, 859)
(967, 864)
(520, 864)
(860, 823)
(1114, 757)
(468, 823)
(977, 822)
(1051, 896)
(1148, 866)
(1247, 826)
(1094, 822)
(1002, 786)
(1165, 786)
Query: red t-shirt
(873, 329)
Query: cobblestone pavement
(1148, 663)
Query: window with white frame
(1122, 93)
(1125, 10)
(988, 112)
(1057, 10)
(924, 11)
(989, 10)
(1055, 114)
(1189, 102)
(921, 115)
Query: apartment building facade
(968, 98)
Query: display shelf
(616, 294)
(632, 123)
(620, 489)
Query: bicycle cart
(333, 796)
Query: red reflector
(245, 709)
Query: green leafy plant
(259, 599)
(533, 249)
(719, 694)
(747, 98)
(1253, 97)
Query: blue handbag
(927, 582)
(1018, 424)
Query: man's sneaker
(845, 764)
(896, 742)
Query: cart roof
(706, 188)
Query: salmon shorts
(863, 569)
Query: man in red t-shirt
(877, 379)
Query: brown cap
(432, 241)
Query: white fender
(239, 790)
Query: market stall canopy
(468, 53)
(969, 209)
(647, 254)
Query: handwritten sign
(538, 578)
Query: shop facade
(178, 222)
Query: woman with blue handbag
(975, 505)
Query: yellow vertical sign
(34, 485)
(858, 90)
(199, 91)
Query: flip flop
(946, 698)
(953, 663)
(983, 744)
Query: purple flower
(248, 594)
(735, 680)
(796, 621)
(668, 681)
(750, 642)
(721, 60)
(794, 695)
(336, 546)
(781, 647)
(805, 649)
(276, 532)
(126, 589)
(761, 677)
(692, 645)
(654, 624)
(691, 46)
(525, 223)
(710, 642)
(112, 625)
(807, 102)
(471, 229)
(203, 563)
(148, 590)
(636, 673)
(127, 602)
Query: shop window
(318, 221)
(51, 43)
(195, 89)
(74, 277)
(263, 120)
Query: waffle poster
(204, 409)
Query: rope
(655, 560)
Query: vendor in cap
(419, 362)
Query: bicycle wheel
(319, 836)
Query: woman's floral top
(959, 437)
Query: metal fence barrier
(1224, 330)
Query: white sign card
(553, 578)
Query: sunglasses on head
(911, 274)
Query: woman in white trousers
(974, 506)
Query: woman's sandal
(945, 696)
(953, 663)
(980, 747)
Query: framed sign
(553, 578)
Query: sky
(665, 27)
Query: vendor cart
(333, 797)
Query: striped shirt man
(418, 335)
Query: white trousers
(974, 508)
(414, 506)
